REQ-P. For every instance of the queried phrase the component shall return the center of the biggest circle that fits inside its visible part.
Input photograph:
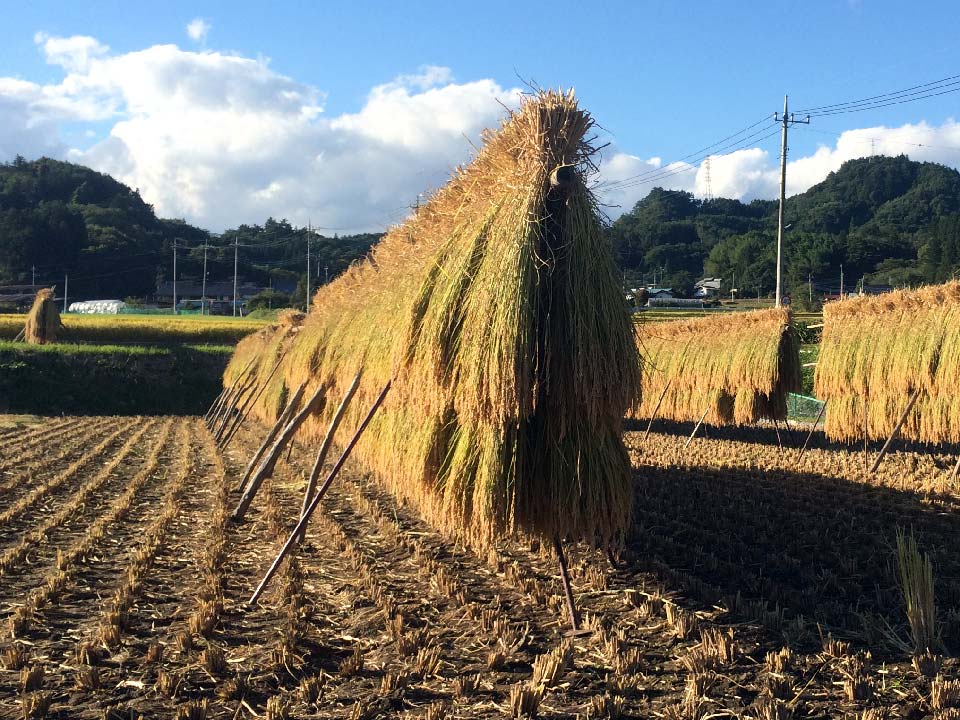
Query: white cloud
(197, 30)
(753, 173)
(222, 139)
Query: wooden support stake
(895, 431)
(776, 427)
(233, 407)
(806, 442)
(292, 404)
(653, 415)
(217, 406)
(697, 426)
(265, 469)
(248, 407)
(301, 526)
(956, 470)
(216, 402)
(567, 588)
(325, 448)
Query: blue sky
(663, 79)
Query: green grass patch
(110, 379)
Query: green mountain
(888, 220)
(57, 218)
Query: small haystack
(496, 311)
(43, 321)
(738, 367)
(877, 350)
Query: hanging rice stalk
(738, 367)
(879, 349)
(43, 320)
(497, 311)
(264, 348)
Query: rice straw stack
(738, 367)
(497, 311)
(876, 350)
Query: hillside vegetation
(890, 219)
(66, 218)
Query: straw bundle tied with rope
(877, 350)
(497, 312)
(738, 367)
(43, 321)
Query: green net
(803, 407)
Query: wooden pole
(895, 431)
(697, 426)
(232, 407)
(291, 541)
(865, 433)
(776, 427)
(214, 404)
(281, 422)
(956, 470)
(806, 442)
(325, 447)
(656, 409)
(215, 408)
(265, 469)
(567, 588)
(248, 407)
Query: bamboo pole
(697, 426)
(806, 442)
(776, 427)
(231, 408)
(281, 422)
(248, 407)
(302, 524)
(656, 409)
(956, 469)
(215, 409)
(567, 587)
(215, 403)
(269, 461)
(325, 447)
(895, 431)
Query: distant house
(219, 294)
(707, 287)
(660, 293)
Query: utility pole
(810, 287)
(203, 291)
(236, 247)
(33, 275)
(174, 276)
(841, 282)
(308, 268)
(787, 120)
(66, 287)
(326, 274)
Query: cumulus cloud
(752, 173)
(221, 139)
(197, 30)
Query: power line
(884, 139)
(925, 87)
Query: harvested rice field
(751, 585)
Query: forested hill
(63, 218)
(888, 219)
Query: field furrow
(24, 489)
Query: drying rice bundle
(255, 357)
(739, 367)
(497, 312)
(877, 350)
(43, 320)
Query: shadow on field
(791, 437)
(793, 544)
